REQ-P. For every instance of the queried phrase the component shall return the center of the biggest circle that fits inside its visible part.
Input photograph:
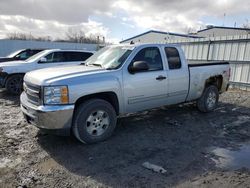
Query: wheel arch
(10, 75)
(214, 80)
(108, 96)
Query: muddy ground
(196, 149)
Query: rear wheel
(209, 99)
(94, 121)
(14, 84)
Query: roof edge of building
(161, 32)
(222, 27)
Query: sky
(117, 20)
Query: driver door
(148, 89)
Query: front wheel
(14, 84)
(209, 99)
(94, 121)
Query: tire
(14, 84)
(94, 121)
(209, 99)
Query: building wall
(154, 37)
(214, 32)
(235, 50)
(8, 46)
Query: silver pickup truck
(87, 99)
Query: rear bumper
(56, 118)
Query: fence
(8, 46)
(234, 49)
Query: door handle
(161, 78)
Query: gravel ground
(196, 149)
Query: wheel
(209, 99)
(14, 84)
(94, 121)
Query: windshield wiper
(96, 64)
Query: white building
(215, 31)
(157, 37)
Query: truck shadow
(177, 138)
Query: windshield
(110, 57)
(13, 54)
(35, 57)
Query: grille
(32, 92)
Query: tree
(25, 36)
(78, 36)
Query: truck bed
(200, 71)
(196, 63)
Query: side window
(49, 57)
(33, 52)
(77, 56)
(152, 56)
(22, 55)
(85, 55)
(55, 57)
(174, 61)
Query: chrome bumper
(54, 117)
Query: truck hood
(5, 59)
(49, 75)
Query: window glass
(26, 54)
(77, 56)
(152, 56)
(22, 56)
(174, 61)
(55, 57)
(85, 55)
(110, 57)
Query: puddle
(232, 159)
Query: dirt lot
(196, 149)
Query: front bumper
(57, 118)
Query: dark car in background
(20, 55)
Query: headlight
(55, 95)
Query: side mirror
(138, 66)
(42, 60)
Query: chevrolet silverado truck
(12, 73)
(87, 99)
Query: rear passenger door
(178, 76)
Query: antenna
(224, 18)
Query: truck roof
(145, 44)
(55, 50)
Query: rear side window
(174, 61)
(77, 56)
(152, 56)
